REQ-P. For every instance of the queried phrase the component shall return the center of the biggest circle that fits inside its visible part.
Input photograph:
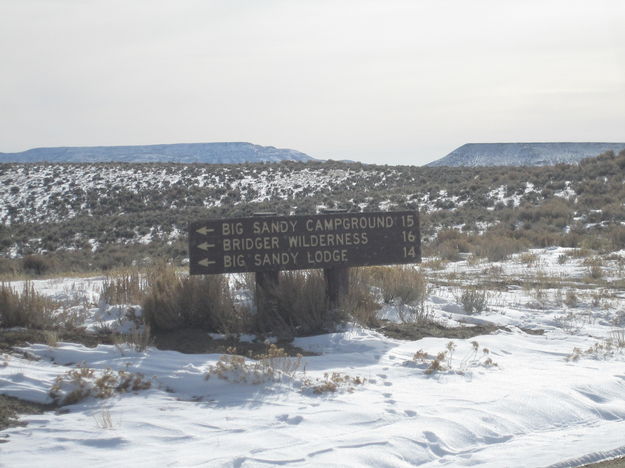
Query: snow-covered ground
(510, 398)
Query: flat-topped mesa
(208, 153)
(524, 154)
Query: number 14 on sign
(410, 252)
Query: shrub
(595, 272)
(35, 264)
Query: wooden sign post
(337, 279)
(333, 241)
(266, 286)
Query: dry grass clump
(529, 259)
(104, 420)
(450, 244)
(26, 309)
(175, 301)
(619, 318)
(277, 366)
(297, 306)
(571, 322)
(332, 382)
(360, 303)
(83, 382)
(604, 349)
(571, 299)
(124, 287)
(138, 340)
(580, 253)
(273, 366)
(474, 300)
(444, 361)
(435, 264)
(399, 284)
(497, 247)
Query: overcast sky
(388, 81)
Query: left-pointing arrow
(204, 230)
(205, 262)
(205, 246)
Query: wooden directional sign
(302, 242)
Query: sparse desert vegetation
(107, 323)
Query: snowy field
(514, 398)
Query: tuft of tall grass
(360, 303)
(124, 287)
(474, 300)
(26, 309)
(175, 301)
(400, 284)
(299, 306)
(497, 247)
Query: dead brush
(604, 349)
(332, 382)
(26, 309)
(83, 382)
(444, 360)
(272, 366)
(277, 358)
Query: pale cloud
(387, 81)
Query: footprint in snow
(410, 413)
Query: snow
(529, 406)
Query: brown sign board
(271, 243)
